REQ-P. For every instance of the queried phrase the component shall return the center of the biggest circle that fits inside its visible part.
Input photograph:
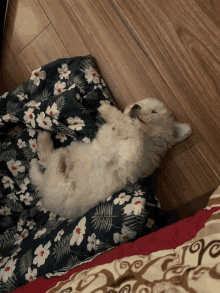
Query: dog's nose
(134, 111)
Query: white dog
(127, 148)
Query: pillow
(36, 242)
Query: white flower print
(26, 198)
(62, 137)
(14, 167)
(19, 238)
(64, 72)
(31, 275)
(139, 192)
(4, 95)
(76, 123)
(22, 97)
(33, 145)
(150, 223)
(126, 235)
(10, 117)
(42, 253)
(23, 189)
(86, 140)
(30, 130)
(44, 122)
(109, 198)
(30, 224)
(103, 83)
(36, 75)
(12, 196)
(91, 75)
(20, 224)
(52, 215)
(59, 88)
(8, 270)
(59, 234)
(55, 121)
(8, 182)
(39, 233)
(78, 232)
(33, 104)
(72, 87)
(5, 211)
(98, 86)
(29, 117)
(122, 198)
(1, 122)
(15, 253)
(23, 186)
(21, 144)
(3, 261)
(135, 206)
(92, 242)
(53, 111)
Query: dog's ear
(181, 131)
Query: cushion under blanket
(62, 97)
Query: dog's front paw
(104, 109)
(183, 131)
(43, 136)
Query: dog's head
(153, 112)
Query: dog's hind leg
(44, 147)
(35, 173)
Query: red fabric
(166, 238)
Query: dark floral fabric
(62, 97)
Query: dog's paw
(183, 130)
(34, 162)
(186, 130)
(104, 109)
(43, 136)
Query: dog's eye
(153, 111)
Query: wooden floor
(165, 49)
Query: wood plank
(186, 177)
(45, 48)
(25, 20)
(12, 73)
(183, 44)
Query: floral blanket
(193, 267)
(61, 97)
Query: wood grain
(186, 177)
(44, 49)
(25, 20)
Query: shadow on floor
(168, 217)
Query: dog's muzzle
(134, 111)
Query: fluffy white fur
(129, 146)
